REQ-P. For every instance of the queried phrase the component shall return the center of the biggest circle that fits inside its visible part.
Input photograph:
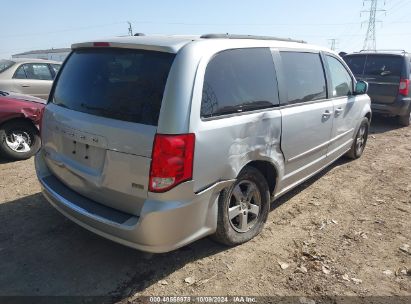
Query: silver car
(28, 76)
(155, 142)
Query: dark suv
(388, 75)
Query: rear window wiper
(385, 73)
(103, 110)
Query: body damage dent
(246, 138)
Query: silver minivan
(157, 141)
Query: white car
(28, 76)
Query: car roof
(381, 53)
(173, 43)
(35, 60)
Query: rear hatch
(382, 72)
(100, 123)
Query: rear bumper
(163, 225)
(400, 107)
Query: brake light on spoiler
(101, 44)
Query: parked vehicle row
(155, 142)
(28, 76)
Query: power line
(370, 41)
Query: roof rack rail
(235, 36)
(382, 51)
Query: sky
(31, 25)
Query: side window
(239, 80)
(20, 73)
(304, 77)
(39, 71)
(341, 81)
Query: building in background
(51, 54)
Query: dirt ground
(344, 232)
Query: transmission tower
(333, 43)
(370, 41)
(130, 28)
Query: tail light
(172, 161)
(404, 87)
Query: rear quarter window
(115, 83)
(239, 80)
(5, 64)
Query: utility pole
(370, 41)
(130, 28)
(333, 42)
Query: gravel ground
(344, 232)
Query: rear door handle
(327, 113)
(338, 111)
(25, 86)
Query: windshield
(115, 83)
(5, 64)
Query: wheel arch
(368, 115)
(268, 170)
(17, 119)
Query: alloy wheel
(19, 141)
(361, 139)
(244, 207)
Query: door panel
(306, 132)
(345, 112)
(345, 109)
(307, 120)
(37, 88)
(33, 79)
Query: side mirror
(361, 87)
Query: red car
(20, 116)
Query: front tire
(360, 140)
(19, 140)
(243, 208)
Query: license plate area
(83, 154)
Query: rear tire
(405, 120)
(360, 140)
(242, 208)
(19, 140)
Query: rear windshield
(381, 65)
(5, 64)
(115, 83)
(356, 63)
